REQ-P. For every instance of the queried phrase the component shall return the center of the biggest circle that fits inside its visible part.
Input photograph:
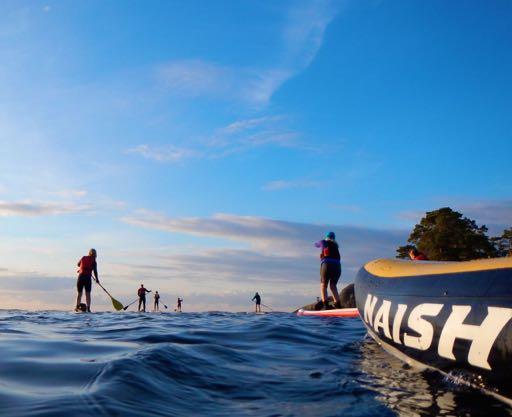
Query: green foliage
(445, 235)
(403, 251)
(503, 243)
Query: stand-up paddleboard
(339, 312)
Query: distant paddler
(257, 301)
(87, 267)
(142, 297)
(156, 306)
(178, 305)
(330, 269)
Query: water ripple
(212, 364)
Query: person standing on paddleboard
(178, 307)
(156, 307)
(257, 300)
(87, 267)
(142, 297)
(330, 269)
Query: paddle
(266, 306)
(133, 302)
(117, 305)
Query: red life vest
(330, 250)
(87, 265)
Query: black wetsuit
(142, 298)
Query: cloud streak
(266, 237)
(495, 214)
(32, 209)
(301, 39)
(237, 137)
(167, 153)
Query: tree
(503, 243)
(445, 235)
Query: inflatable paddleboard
(339, 312)
(455, 317)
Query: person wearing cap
(330, 269)
(87, 267)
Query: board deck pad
(339, 312)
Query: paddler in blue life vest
(257, 300)
(86, 268)
(330, 269)
(142, 297)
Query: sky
(203, 147)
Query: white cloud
(30, 209)
(495, 214)
(249, 124)
(166, 153)
(239, 136)
(305, 29)
(302, 38)
(267, 237)
(278, 185)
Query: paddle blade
(117, 305)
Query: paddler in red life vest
(330, 269)
(142, 297)
(87, 267)
(416, 255)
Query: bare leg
(79, 298)
(334, 291)
(323, 291)
(140, 302)
(88, 300)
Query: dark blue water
(212, 364)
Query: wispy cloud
(199, 78)
(167, 153)
(278, 238)
(239, 136)
(301, 39)
(495, 214)
(240, 126)
(31, 209)
(278, 185)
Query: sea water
(213, 364)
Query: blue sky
(202, 147)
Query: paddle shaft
(117, 305)
(133, 302)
